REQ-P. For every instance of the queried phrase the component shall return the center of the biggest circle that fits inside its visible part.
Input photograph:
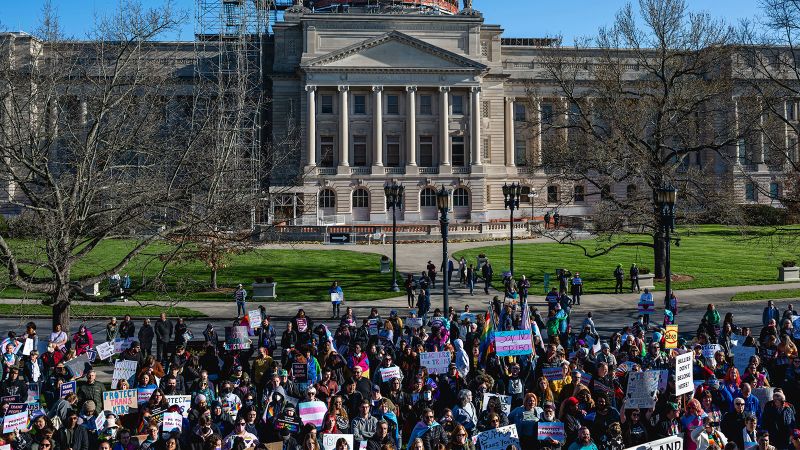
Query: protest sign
(143, 394)
(499, 438)
(373, 327)
(642, 390)
(237, 338)
(741, 357)
(389, 373)
(671, 337)
(505, 402)
(123, 370)
(68, 388)
(100, 422)
(764, 395)
(269, 445)
(684, 377)
(553, 373)
(710, 349)
(78, 366)
(646, 307)
(28, 347)
(92, 355)
(105, 350)
(329, 441)
(254, 318)
(414, 322)
(337, 297)
(5, 447)
(188, 336)
(13, 422)
(585, 379)
(120, 345)
(663, 379)
(313, 412)
(552, 430)
(171, 421)
(14, 408)
(513, 343)
(436, 362)
(33, 393)
(183, 402)
(300, 372)
(468, 316)
(120, 402)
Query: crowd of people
(364, 384)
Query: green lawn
(301, 275)
(104, 311)
(712, 255)
(766, 295)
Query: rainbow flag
(487, 336)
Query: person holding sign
(337, 297)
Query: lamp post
(531, 197)
(665, 203)
(394, 200)
(511, 195)
(443, 203)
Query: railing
(360, 170)
(326, 170)
(524, 170)
(462, 170)
(395, 170)
(428, 229)
(428, 170)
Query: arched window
(360, 198)
(427, 197)
(461, 197)
(327, 199)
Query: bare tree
(104, 138)
(645, 104)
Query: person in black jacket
(381, 436)
(435, 435)
(127, 328)
(163, 331)
(73, 436)
(146, 335)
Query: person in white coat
(708, 434)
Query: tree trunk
(61, 310)
(213, 278)
(659, 255)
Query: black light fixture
(511, 194)
(443, 203)
(665, 199)
(394, 200)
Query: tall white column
(444, 126)
(509, 130)
(476, 126)
(739, 149)
(539, 150)
(344, 127)
(311, 126)
(411, 127)
(759, 155)
(377, 129)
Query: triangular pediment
(394, 50)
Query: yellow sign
(671, 337)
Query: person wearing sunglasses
(708, 435)
(429, 431)
(459, 439)
(734, 421)
(240, 431)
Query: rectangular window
(521, 152)
(579, 194)
(393, 150)
(547, 114)
(790, 110)
(458, 105)
(791, 151)
(486, 149)
(425, 105)
(326, 149)
(520, 112)
(326, 104)
(750, 192)
(359, 150)
(741, 151)
(552, 194)
(359, 104)
(774, 190)
(392, 104)
(426, 151)
(459, 155)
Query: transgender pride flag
(313, 412)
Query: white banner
(505, 402)
(105, 350)
(684, 375)
(670, 443)
(642, 390)
(499, 438)
(436, 362)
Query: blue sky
(520, 18)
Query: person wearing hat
(734, 423)
(240, 295)
(669, 425)
(548, 415)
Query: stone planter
(92, 290)
(789, 273)
(263, 291)
(646, 281)
(386, 266)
